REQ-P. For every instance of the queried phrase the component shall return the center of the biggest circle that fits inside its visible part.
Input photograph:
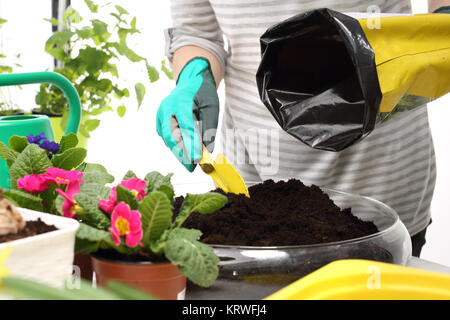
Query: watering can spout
(55, 79)
(36, 124)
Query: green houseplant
(87, 54)
(140, 227)
(130, 226)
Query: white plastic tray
(47, 257)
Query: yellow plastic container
(367, 280)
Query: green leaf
(121, 10)
(59, 38)
(201, 203)
(86, 232)
(88, 239)
(36, 290)
(140, 93)
(91, 214)
(92, 7)
(152, 73)
(5, 69)
(53, 21)
(95, 189)
(92, 124)
(72, 15)
(93, 59)
(121, 110)
(155, 179)
(69, 159)
(130, 174)
(18, 143)
(124, 50)
(7, 154)
(33, 160)
(59, 201)
(86, 246)
(189, 234)
(31, 290)
(100, 29)
(115, 15)
(125, 195)
(57, 53)
(24, 200)
(98, 177)
(166, 70)
(133, 23)
(67, 142)
(156, 211)
(194, 259)
(168, 191)
(123, 34)
(121, 248)
(48, 199)
(94, 167)
(85, 32)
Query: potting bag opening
(328, 78)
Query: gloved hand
(188, 117)
(445, 9)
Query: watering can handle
(55, 79)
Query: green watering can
(23, 125)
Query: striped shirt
(395, 164)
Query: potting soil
(278, 214)
(32, 228)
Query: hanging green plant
(87, 54)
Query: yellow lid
(367, 280)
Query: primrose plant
(134, 218)
(40, 170)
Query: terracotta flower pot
(84, 263)
(162, 280)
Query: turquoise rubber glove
(188, 117)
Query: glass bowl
(254, 272)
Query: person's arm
(436, 4)
(195, 33)
(187, 119)
(186, 53)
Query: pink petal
(132, 240)
(34, 183)
(107, 206)
(66, 196)
(123, 210)
(73, 188)
(115, 235)
(135, 221)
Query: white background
(132, 142)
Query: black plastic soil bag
(318, 78)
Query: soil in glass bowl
(32, 228)
(280, 213)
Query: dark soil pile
(278, 214)
(32, 228)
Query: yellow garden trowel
(225, 176)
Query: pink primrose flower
(126, 222)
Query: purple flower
(51, 146)
(35, 139)
(46, 144)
